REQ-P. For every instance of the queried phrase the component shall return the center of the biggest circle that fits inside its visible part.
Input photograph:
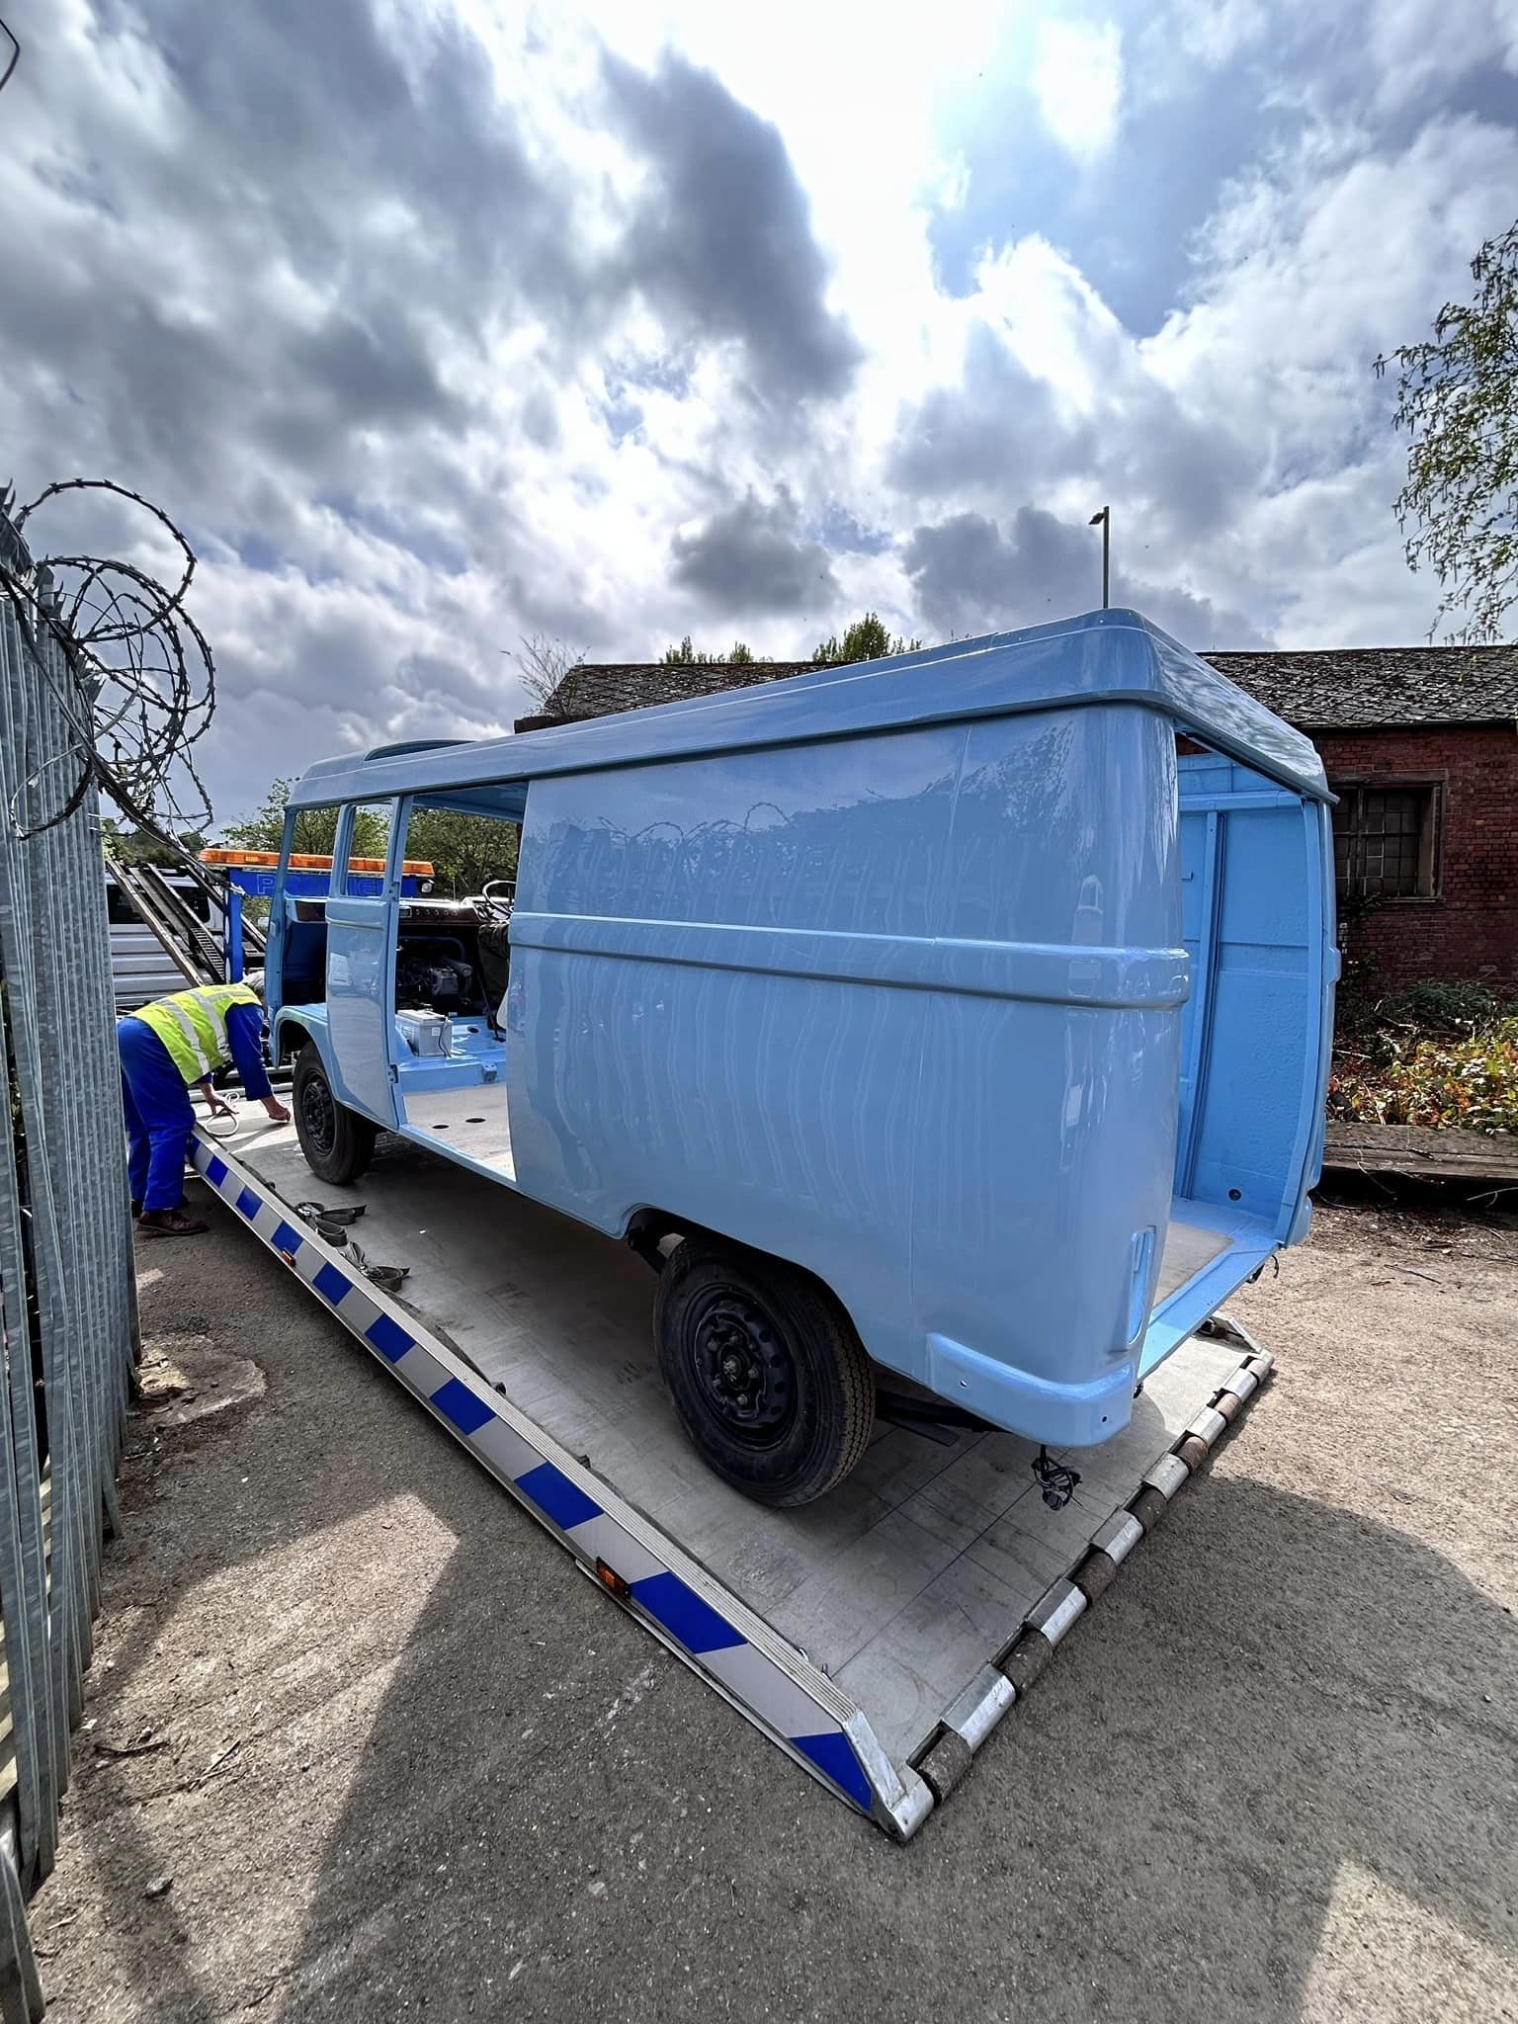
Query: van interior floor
(1188, 1247)
(900, 1583)
(474, 1120)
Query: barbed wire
(134, 676)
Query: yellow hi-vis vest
(193, 1026)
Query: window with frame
(1386, 840)
(368, 847)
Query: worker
(168, 1048)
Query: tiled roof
(1341, 688)
(1346, 688)
(600, 689)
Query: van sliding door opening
(451, 971)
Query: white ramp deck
(900, 1588)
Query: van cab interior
(413, 954)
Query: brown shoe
(170, 1223)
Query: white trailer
(877, 1636)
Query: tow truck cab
(959, 1020)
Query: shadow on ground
(468, 1785)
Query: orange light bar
(414, 867)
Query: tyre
(337, 1142)
(767, 1375)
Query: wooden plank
(1420, 1150)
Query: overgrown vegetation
(1436, 1054)
(867, 639)
(686, 654)
(543, 662)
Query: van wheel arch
(289, 1038)
(654, 1234)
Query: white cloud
(1078, 77)
(433, 344)
(1215, 30)
(1417, 47)
(1312, 270)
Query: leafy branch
(1457, 398)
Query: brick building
(1419, 743)
(1421, 746)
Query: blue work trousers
(159, 1117)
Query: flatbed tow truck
(877, 1637)
(949, 1034)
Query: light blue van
(950, 1031)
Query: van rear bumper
(1064, 1415)
(1209, 1252)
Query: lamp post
(1104, 521)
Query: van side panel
(686, 1024)
(1047, 1135)
(839, 1000)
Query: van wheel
(769, 1379)
(338, 1144)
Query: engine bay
(453, 957)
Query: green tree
(315, 834)
(315, 828)
(865, 640)
(136, 846)
(465, 850)
(1457, 397)
(683, 654)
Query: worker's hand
(218, 1105)
(276, 1110)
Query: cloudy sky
(441, 322)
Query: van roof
(1101, 657)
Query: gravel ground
(399, 1761)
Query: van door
(360, 956)
(1258, 925)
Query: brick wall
(1470, 929)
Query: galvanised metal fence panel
(67, 1302)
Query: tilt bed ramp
(877, 1636)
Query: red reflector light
(609, 1578)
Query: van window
(467, 851)
(368, 848)
(315, 831)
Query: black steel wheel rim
(745, 1375)
(318, 1113)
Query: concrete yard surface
(360, 1743)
